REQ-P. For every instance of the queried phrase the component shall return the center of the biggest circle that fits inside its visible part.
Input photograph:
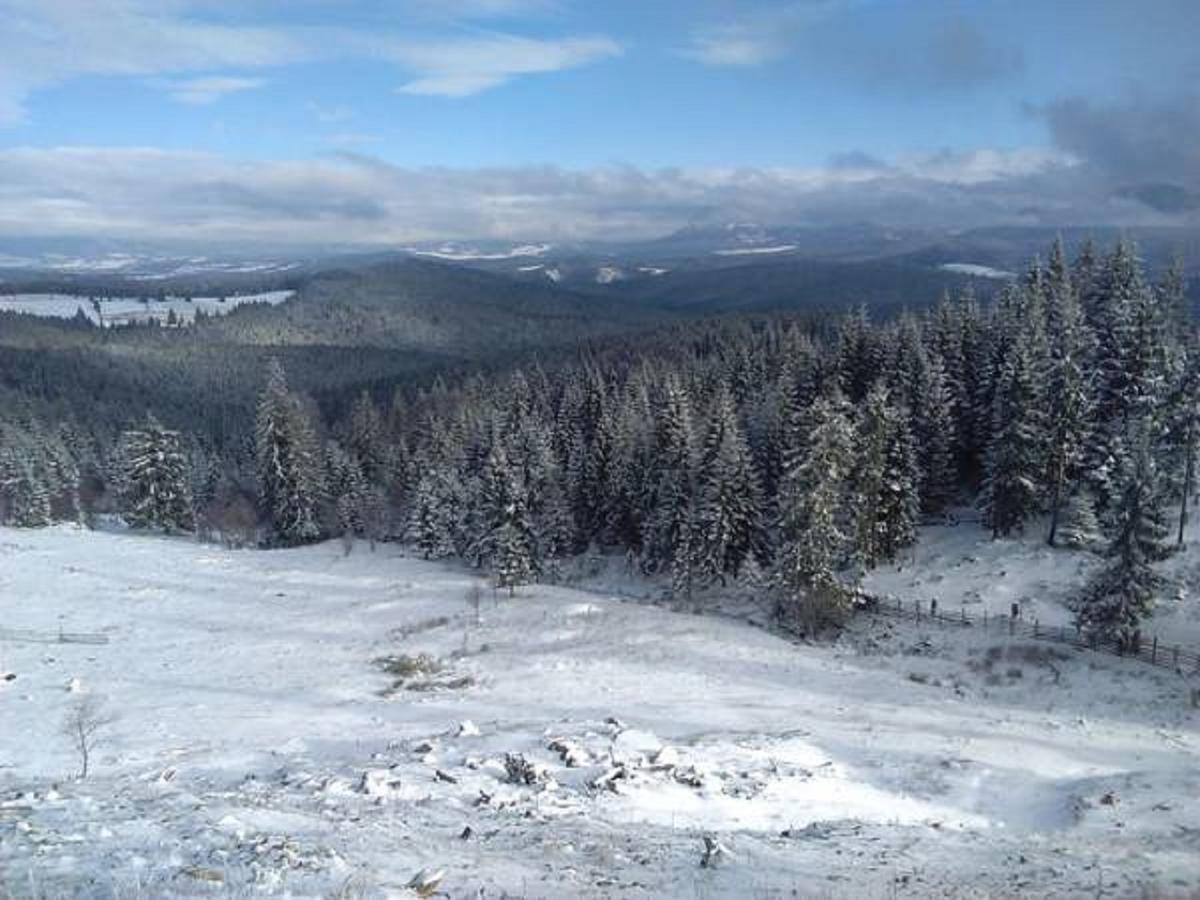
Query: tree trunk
(1056, 503)
(1188, 467)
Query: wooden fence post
(1035, 627)
(933, 608)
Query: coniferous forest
(798, 449)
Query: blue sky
(700, 109)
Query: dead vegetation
(420, 672)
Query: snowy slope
(961, 566)
(256, 743)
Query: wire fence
(28, 636)
(1175, 657)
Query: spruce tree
(1080, 527)
(23, 488)
(809, 571)
(155, 483)
(289, 465)
(1068, 398)
(348, 488)
(728, 517)
(366, 440)
(884, 482)
(431, 520)
(1014, 461)
(1113, 605)
(671, 540)
(506, 543)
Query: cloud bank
(347, 199)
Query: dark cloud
(1167, 198)
(246, 201)
(1147, 150)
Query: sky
(392, 121)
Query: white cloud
(44, 43)
(479, 9)
(758, 36)
(200, 91)
(466, 66)
(731, 48)
(145, 193)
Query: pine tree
(155, 483)
(813, 593)
(730, 500)
(1068, 399)
(884, 482)
(506, 543)
(1129, 367)
(933, 429)
(671, 539)
(431, 521)
(1014, 461)
(289, 465)
(22, 486)
(1181, 434)
(366, 441)
(1113, 605)
(1080, 527)
(349, 489)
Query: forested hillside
(806, 449)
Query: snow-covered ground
(754, 251)
(562, 743)
(962, 567)
(459, 253)
(123, 310)
(977, 270)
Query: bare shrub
(82, 726)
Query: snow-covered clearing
(961, 566)
(755, 251)
(562, 743)
(123, 310)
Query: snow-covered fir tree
(348, 488)
(883, 481)
(810, 577)
(1079, 526)
(730, 500)
(289, 463)
(23, 490)
(155, 479)
(431, 524)
(671, 541)
(505, 543)
(1115, 602)
(1014, 458)
(366, 441)
(1068, 396)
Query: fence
(26, 636)
(1156, 653)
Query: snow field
(123, 310)
(563, 744)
